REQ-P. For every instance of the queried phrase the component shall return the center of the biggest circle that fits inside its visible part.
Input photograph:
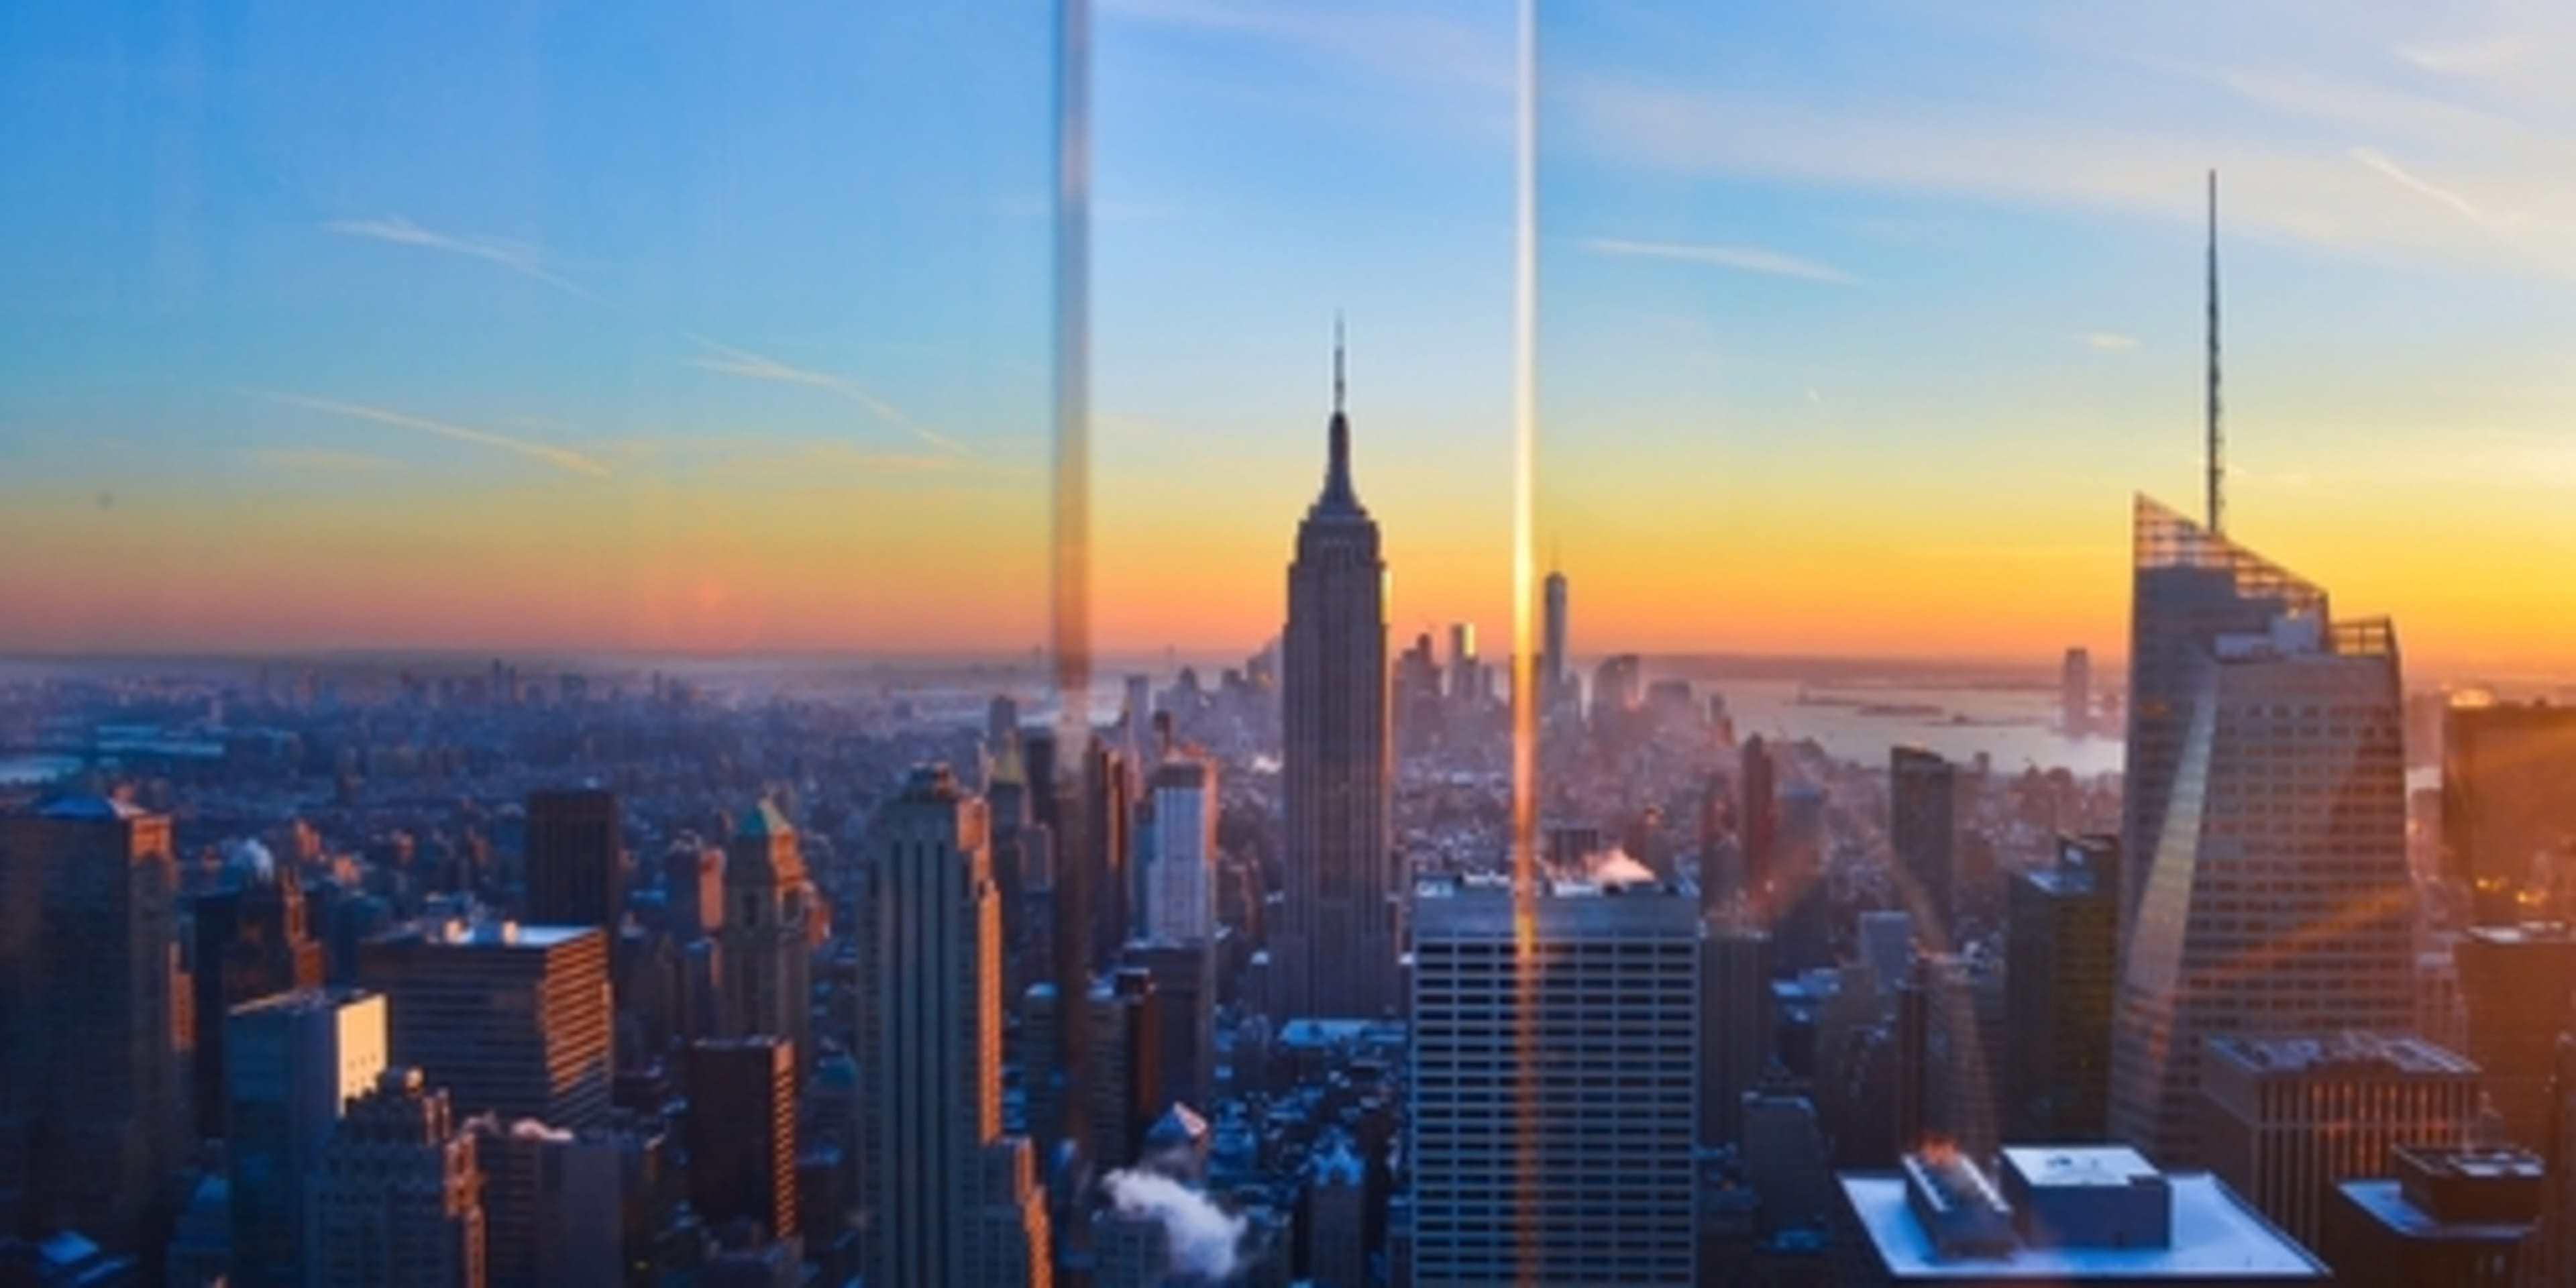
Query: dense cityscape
(368, 971)
(525, 765)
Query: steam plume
(1207, 1241)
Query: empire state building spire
(1339, 497)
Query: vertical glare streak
(1071, 583)
(1525, 698)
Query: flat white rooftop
(2214, 1236)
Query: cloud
(1747, 259)
(2111, 341)
(324, 460)
(751, 366)
(559, 457)
(1206, 1240)
(2127, 151)
(2377, 161)
(518, 257)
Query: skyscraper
(2520, 986)
(768, 962)
(1735, 1025)
(2188, 587)
(297, 1059)
(504, 1019)
(1466, 674)
(1923, 794)
(742, 1133)
(1554, 668)
(2290, 1117)
(1554, 1103)
(575, 860)
(2508, 814)
(2277, 897)
(1757, 822)
(1180, 866)
(2075, 694)
(1335, 953)
(251, 942)
(91, 1109)
(398, 1202)
(952, 1202)
(2062, 936)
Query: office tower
(952, 1202)
(1735, 1025)
(1784, 1160)
(1801, 896)
(742, 1133)
(1335, 953)
(768, 959)
(1336, 1217)
(2062, 937)
(1099, 862)
(581, 1208)
(1136, 713)
(1757, 822)
(2519, 983)
(2075, 694)
(1887, 946)
(2461, 1218)
(296, 1060)
(251, 941)
(1185, 986)
(693, 888)
(1180, 865)
(2552, 1254)
(1122, 1083)
(1922, 825)
(1038, 760)
(1416, 698)
(2063, 1215)
(92, 1105)
(1554, 666)
(2508, 815)
(1964, 1038)
(1124, 1076)
(1618, 691)
(575, 859)
(1130, 1248)
(398, 1202)
(1006, 794)
(1595, 1036)
(2280, 897)
(1721, 876)
(2189, 586)
(1466, 674)
(504, 1019)
(2289, 1117)
(1001, 725)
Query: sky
(679, 327)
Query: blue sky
(744, 313)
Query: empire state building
(1335, 953)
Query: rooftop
(2349, 1052)
(2214, 1234)
(2056, 1166)
(96, 809)
(461, 932)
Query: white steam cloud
(1207, 1240)
(1614, 867)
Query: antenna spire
(2217, 433)
(1337, 362)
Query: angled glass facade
(2277, 896)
